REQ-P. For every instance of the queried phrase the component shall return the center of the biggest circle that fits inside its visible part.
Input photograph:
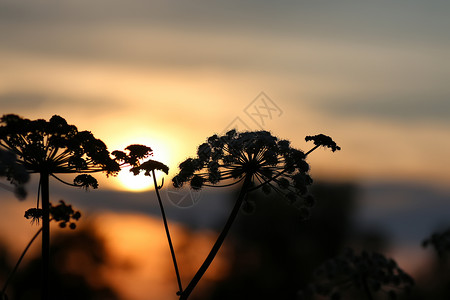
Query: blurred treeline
(76, 269)
(272, 254)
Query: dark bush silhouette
(76, 265)
(274, 252)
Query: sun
(125, 180)
(130, 182)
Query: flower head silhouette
(440, 241)
(14, 172)
(61, 213)
(258, 160)
(271, 164)
(50, 148)
(369, 272)
(324, 141)
(55, 147)
(132, 156)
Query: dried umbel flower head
(133, 156)
(257, 158)
(440, 241)
(55, 147)
(369, 272)
(62, 213)
(14, 172)
(322, 140)
(271, 163)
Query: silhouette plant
(132, 157)
(49, 148)
(61, 213)
(440, 241)
(14, 172)
(369, 272)
(258, 160)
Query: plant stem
(5, 286)
(169, 239)
(45, 234)
(366, 288)
(201, 271)
(314, 148)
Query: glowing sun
(126, 180)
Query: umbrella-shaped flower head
(49, 148)
(257, 158)
(55, 147)
(271, 163)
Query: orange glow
(139, 242)
(126, 180)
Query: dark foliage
(272, 253)
(368, 272)
(14, 172)
(440, 241)
(76, 270)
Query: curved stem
(224, 185)
(169, 239)
(5, 286)
(64, 182)
(212, 254)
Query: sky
(371, 74)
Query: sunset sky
(371, 74)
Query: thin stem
(5, 286)
(45, 234)
(169, 239)
(224, 185)
(314, 148)
(7, 187)
(62, 181)
(366, 288)
(38, 193)
(201, 271)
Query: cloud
(409, 108)
(205, 33)
(12, 102)
(412, 108)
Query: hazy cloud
(413, 108)
(20, 101)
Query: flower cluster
(440, 242)
(55, 147)
(324, 141)
(61, 213)
(367, 272)
(14, 172)
(134, 155)
(271, 163)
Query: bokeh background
(371, 74)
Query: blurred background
(168, 74)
